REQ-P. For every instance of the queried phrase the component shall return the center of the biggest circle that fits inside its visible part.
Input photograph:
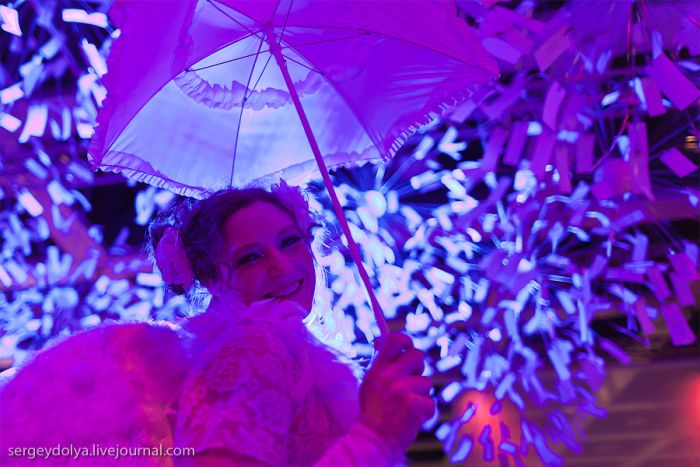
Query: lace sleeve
(238, 398)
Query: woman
(262, 390)
(243, 383)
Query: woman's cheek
(241, 286)
(254, 282)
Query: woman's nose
(279, 263)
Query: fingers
(392, 346)
(423, 406)
(409, 363)
(394, 343)
(420, 385)
(411, 394)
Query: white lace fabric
(265, 389)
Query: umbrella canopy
(229, 92)
(197, 102)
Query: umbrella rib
(159, 176)
(302, 64)
(352, 110)
(326, 41)
(383, 34)
(228, 61)
(268, 50)
(233, 19)
(345, 100)
(286, 18)
(349, 29)
(240, 115)
(269, 57)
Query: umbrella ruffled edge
(161, 181)
(119, 14)
(158, 181)
(435, 110)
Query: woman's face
(268, 256)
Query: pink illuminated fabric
(196, 102)
(263, 388)
(252, 381)
(108, 386)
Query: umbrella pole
(354, 250)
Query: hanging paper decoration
(57, 273)
(559, 200)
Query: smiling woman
(222, 240)
(261, 389)
(270, 258)
(244, 382)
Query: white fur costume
(250, 380)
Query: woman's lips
(286, 291)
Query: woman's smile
(270, 257)
(287, 291)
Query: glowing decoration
(94, 57)
(75, 15)
(9, 122)
(54, 277)
(10, 20)
(536, 257)
(29, 203)
(11, 93)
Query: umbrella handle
(354, 250)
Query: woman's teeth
(289, 290)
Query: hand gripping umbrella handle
(276, 51)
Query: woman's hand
(394, 397)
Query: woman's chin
(300, 299)
(304, 307)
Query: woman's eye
(290, 240)
(249, 258)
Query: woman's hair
(200, 226)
